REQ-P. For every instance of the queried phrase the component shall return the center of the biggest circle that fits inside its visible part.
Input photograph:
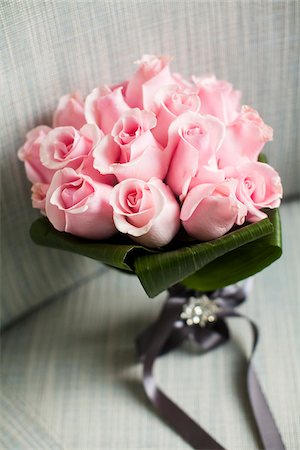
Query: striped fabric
(53, 47)
(20, 430)
(72, 365)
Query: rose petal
(70, 111)
(104, 107)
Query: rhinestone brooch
(199, 311)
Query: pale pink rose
(29, 153)
(68, 147)
(147, 212)
(79, 205)
(38, 196)
(194, 141)
(70, 111)
(171, 101)
(218, 98)
(104, 106)
(244, 138)
(131, 126)
(210, 210)
(259, 186)
(153, 72)
(131, 150)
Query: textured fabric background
(20, 428)
(53, 47)
(71, 369)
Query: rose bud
(70, 111)
(79, 205)
(131, 150)
(153, 72)
(104, 106)
(259, 186)
(29, 153)
(147, 212)
(171, 101)
(218, 98)
(194, 141)
(68, 147)
(210, 210)
(244, 138)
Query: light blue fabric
(20, 429)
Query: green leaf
(204, 266)
(116, 252)
(262, 158)
(241, 262)
(213, 264)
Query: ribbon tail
(265, 422)
(268, 431)
(184, 425)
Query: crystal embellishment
(199, 311)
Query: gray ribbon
(205, 324)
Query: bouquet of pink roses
(151, 156)
(164, 178)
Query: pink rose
(218, 98)
(131, 150)
(68, 147)
(172, 101)
(104, 106)
(259, 186)
(153, 72)
(194, 141)
(78, 205)
(70, 111)
(210, 210)
(147, 212)
(244, 138)
(30, 154)
(38, 196)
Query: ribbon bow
(200, 317)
